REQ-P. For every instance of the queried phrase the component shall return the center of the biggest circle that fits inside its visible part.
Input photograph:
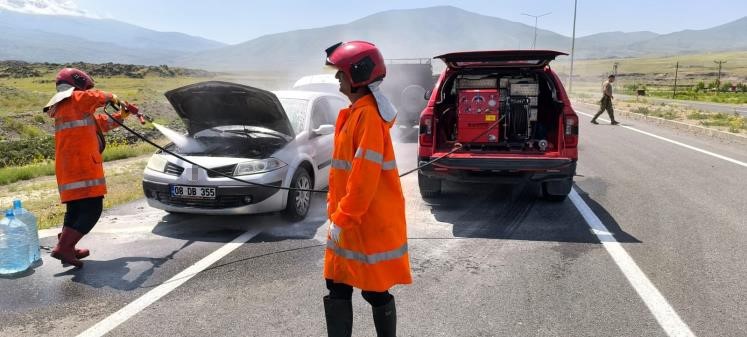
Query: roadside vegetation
(26, 134)
(45, 167)
(728, 92)
(27, 140)
(25, 88)
(41, 198)
(734, 122)
(697, 76)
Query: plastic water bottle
(29, 220)
(14, 245)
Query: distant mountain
(399, 33)
(431, 31)
(611, 44)
(730, 36)
(412, 33)
(68, 38)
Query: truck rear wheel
(429, 187)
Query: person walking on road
(606, 102)
(367, 238)
(79, 142)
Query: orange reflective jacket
(78, 161)
(365, 199)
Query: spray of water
(184, 143)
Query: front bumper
(500, 170)
(229, 199)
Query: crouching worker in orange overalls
(79, 142)
(367, 241)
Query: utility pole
(573, 46)
(534, 42)
(718, 81)
(676, 69)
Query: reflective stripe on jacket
(78, 161)
(365, 199)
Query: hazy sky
(234, 21)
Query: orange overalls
(78, 144)
(365, 199)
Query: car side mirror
(325, 129)
(428, 94)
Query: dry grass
(40, 195)
(733, 123)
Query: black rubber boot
(385, 319)
(339, 315)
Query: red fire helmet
(360, 61)
(75, 77)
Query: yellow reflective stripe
(389, 165)
(88, 121)
(342, 164)
(371, 155)
(82, 184)
(368, 259)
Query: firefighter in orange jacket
(367, 241)
(79, 142)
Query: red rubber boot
(80, 253)
(65, 249)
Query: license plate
(192, 192)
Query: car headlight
(258, 166)
(157, 163)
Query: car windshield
(241, 130)
(233, 141)
(296, 109)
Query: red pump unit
(477, 111)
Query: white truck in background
(406, 85)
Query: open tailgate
(500, 58)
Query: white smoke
(43, 7)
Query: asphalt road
(486, 260)
(705, 106)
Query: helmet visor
(331, 50)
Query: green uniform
(606, 102)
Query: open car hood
(500, 59)
(210, 104)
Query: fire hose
(134, 110)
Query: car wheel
(429, 187)
(556, 191)
(299, 202)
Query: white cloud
(43, 7)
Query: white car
(319, 82)
(281, 138)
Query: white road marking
(130, 310)
(667, 317)
(716, 155)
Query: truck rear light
(571, 130)
(426, 130)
